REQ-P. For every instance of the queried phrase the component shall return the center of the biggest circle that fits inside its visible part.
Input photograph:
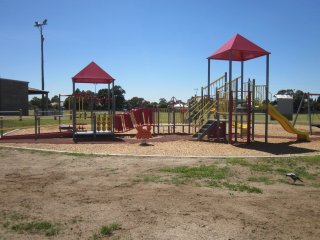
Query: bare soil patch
(80, 194)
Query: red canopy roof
(92, 74)
(242, 50)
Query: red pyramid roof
(242, 50)
(92, 74)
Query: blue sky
(158, 48)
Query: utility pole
(40, 25)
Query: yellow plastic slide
(284, 122)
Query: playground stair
(205, 129)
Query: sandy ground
(280, 143)
(82, 193)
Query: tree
(154, 104)
(35, 102)
(137, 102)
(54, 102)
(67, 104)
(286, 92)
(55, 98)
(297, 97)
(163, 103)
(103, 100)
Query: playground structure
(232, 102)
(108, 123)
(226, 109)
(93, 74)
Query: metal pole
(236, 117)
(1, 126)
(153, 121)
(158, 119)
(92, 113)
(109, 107)
(59, 107)
(249, 112)
(59, 104)
(267, 100)
(218, 115)
(225, 81)
(309, 114)
(299, 108)
(208, 79)
(39, 125)
(174, 119)
(253, 112)
(202, 98)
(241, 82)
(113, 107)
(74, 109)
(189, 119)
(168, 110)
(42, 70)
(225, 94)
(230, 98)
(35, 126)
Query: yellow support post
(104, 122)
(109, 123)
(99, 123)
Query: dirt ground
(82, 193)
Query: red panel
(118, 123)
(137, 113)
(222, 131)
(127, 121)
(92, 74)
(148, 116)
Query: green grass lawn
(239, 174)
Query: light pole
(40, 25)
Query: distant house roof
(179, 105)
(92, 73)
(242, 50)
(283, 96)
(32, 91)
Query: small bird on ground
(293, 177)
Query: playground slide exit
(284, 122)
